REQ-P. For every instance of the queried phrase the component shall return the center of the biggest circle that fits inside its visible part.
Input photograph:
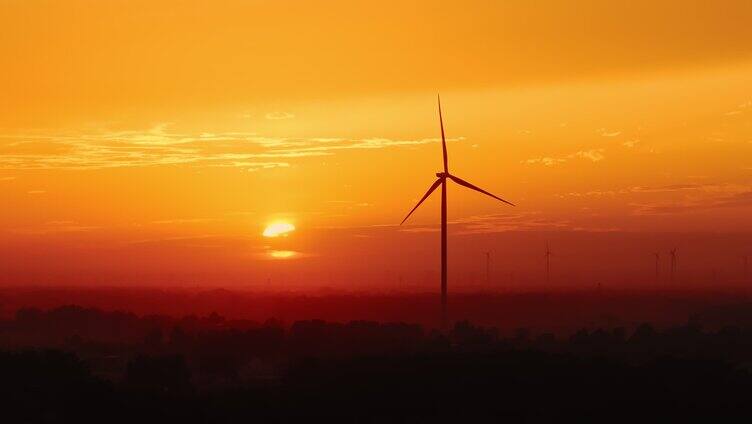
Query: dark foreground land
(74, 364)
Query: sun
(279, 228)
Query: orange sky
(152, 141)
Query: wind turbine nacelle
(442, 174)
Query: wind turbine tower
(442, 181)
(673, 263)
(548, 264)
(657, 266)
(488, 267)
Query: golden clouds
(159, 146)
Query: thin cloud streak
(498, 223)
(158, 146)
(55, 227)
(277, 116)
(735, 200)
(593, 155)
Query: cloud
(36, 192)
(160, 146)
(253, 166)
(340, 201)
(419, 230)
(591, 193)
(595, 155)
(693, 205)
(491, 223)
(547, 161)
(666, 188)
(495, 223)
(606, 133)
(630, 144)
(277, 116)
(527, 221)
(57, 226)
(699, 198)
(174, 239)
(678, 198)
(365, 144)
(741, 108)
(7, 178)
(183, 221)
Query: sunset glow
(277, 229)
(149, 140)
(375, 211)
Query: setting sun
(277, 229)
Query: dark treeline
(73, 364)
(552, 311)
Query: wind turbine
(488, 267)
(745, 263)
(657, 265)
(673, 263)
(548, 264)
(442, 181)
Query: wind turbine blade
(443, 138)
(470, 186)
(425, 196)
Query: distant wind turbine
(657, 265)
(488, 267)
(745, 263)
(442, 181)
(673, 263)
(548, 264)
